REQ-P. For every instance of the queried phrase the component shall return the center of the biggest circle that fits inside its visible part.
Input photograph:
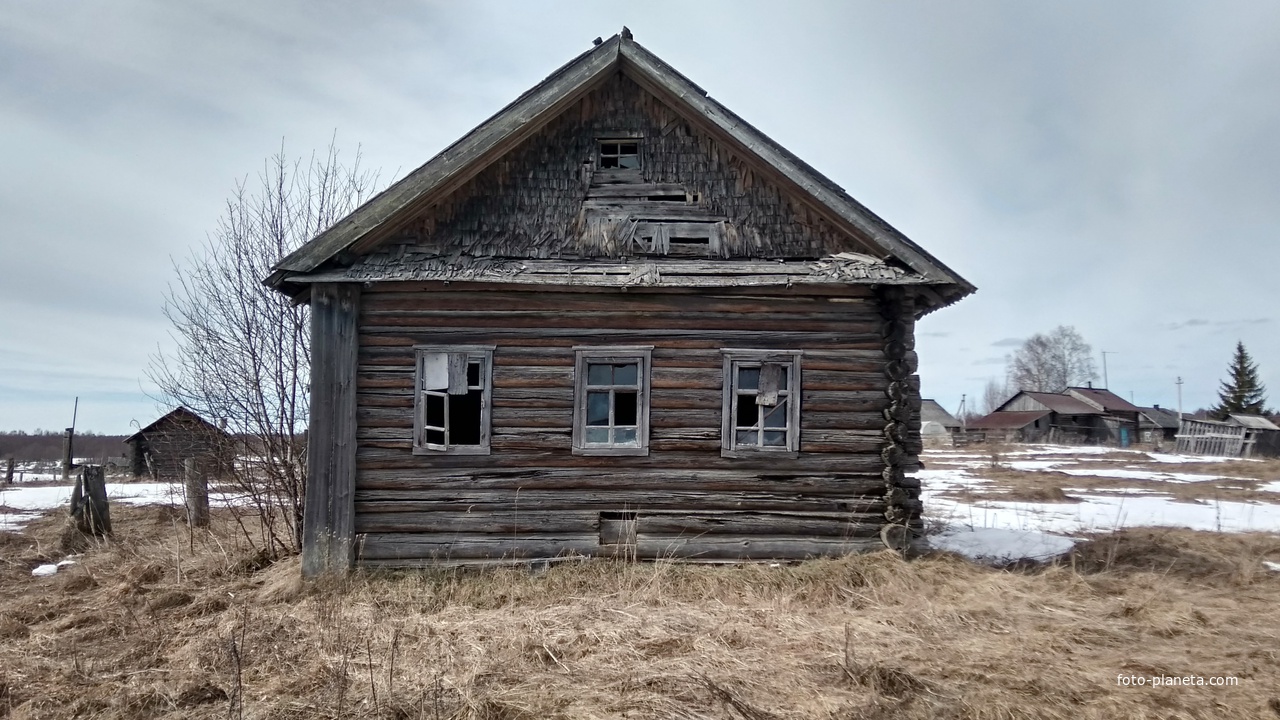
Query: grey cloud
(1008, 342)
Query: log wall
(532, 498)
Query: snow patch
(45, 571)
(1273, 567)
(1002, 545)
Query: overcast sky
(1111, 166)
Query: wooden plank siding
(532, 498)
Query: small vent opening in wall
(617, 528)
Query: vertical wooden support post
(66, 453)
(8, 471)
(89, 501)
(328, 523)
(197, 487)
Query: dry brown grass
(122, 635)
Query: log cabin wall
(531, 497)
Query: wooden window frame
(735, 358)
(638, 141)
(484, 353)
(616, 354)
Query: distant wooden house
(1041, 417)
(614, 318)
(160, 449)
(937, 426)
(1157, 424)
(1119, 423)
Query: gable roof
(386, 212)
(1253, 422)
(1061, 404)
(1006, 420)
(177, 414)
(931, 411)
(1161, 417)
(1103, 398)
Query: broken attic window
(620, 154)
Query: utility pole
(960, 412)
(1106, 382)
(1179, 384)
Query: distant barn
(160, 449)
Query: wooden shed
(160, 449)
(613, 318)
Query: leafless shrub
(240, 350)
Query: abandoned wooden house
(160, 449)
(1120, 418)
(613, 318)
(1040, 417)
(1157, 425)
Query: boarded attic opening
(621, 155)
(617, 528)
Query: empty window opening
(702, 241)
(671, 197)
(620, 155)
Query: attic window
(620, 154)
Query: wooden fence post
(89, 501)
(8, 471)
(66, 453)
(197, 486)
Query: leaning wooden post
(8, 471)
(197, 485)
(89, 501)
(66, 452)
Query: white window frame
(642, 354)
(483, 353)
(735, 359)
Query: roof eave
(456, 164)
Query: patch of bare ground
(1008, 484)
(159, 624)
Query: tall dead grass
(156, 624)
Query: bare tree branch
(241, 350)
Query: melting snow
(1001, 545)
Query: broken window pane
(625, 406)
(435, 371)
(465, 418)
(599, 374)
(746, 437)
(626, 374)
(435, 437)
(628, 148)
(435, 411)
(598, 408)
(628, 161)
(776, 416)
(748, 415)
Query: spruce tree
(1243, 392)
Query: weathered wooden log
(196, 481)
(89, 509)
(66, 452)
